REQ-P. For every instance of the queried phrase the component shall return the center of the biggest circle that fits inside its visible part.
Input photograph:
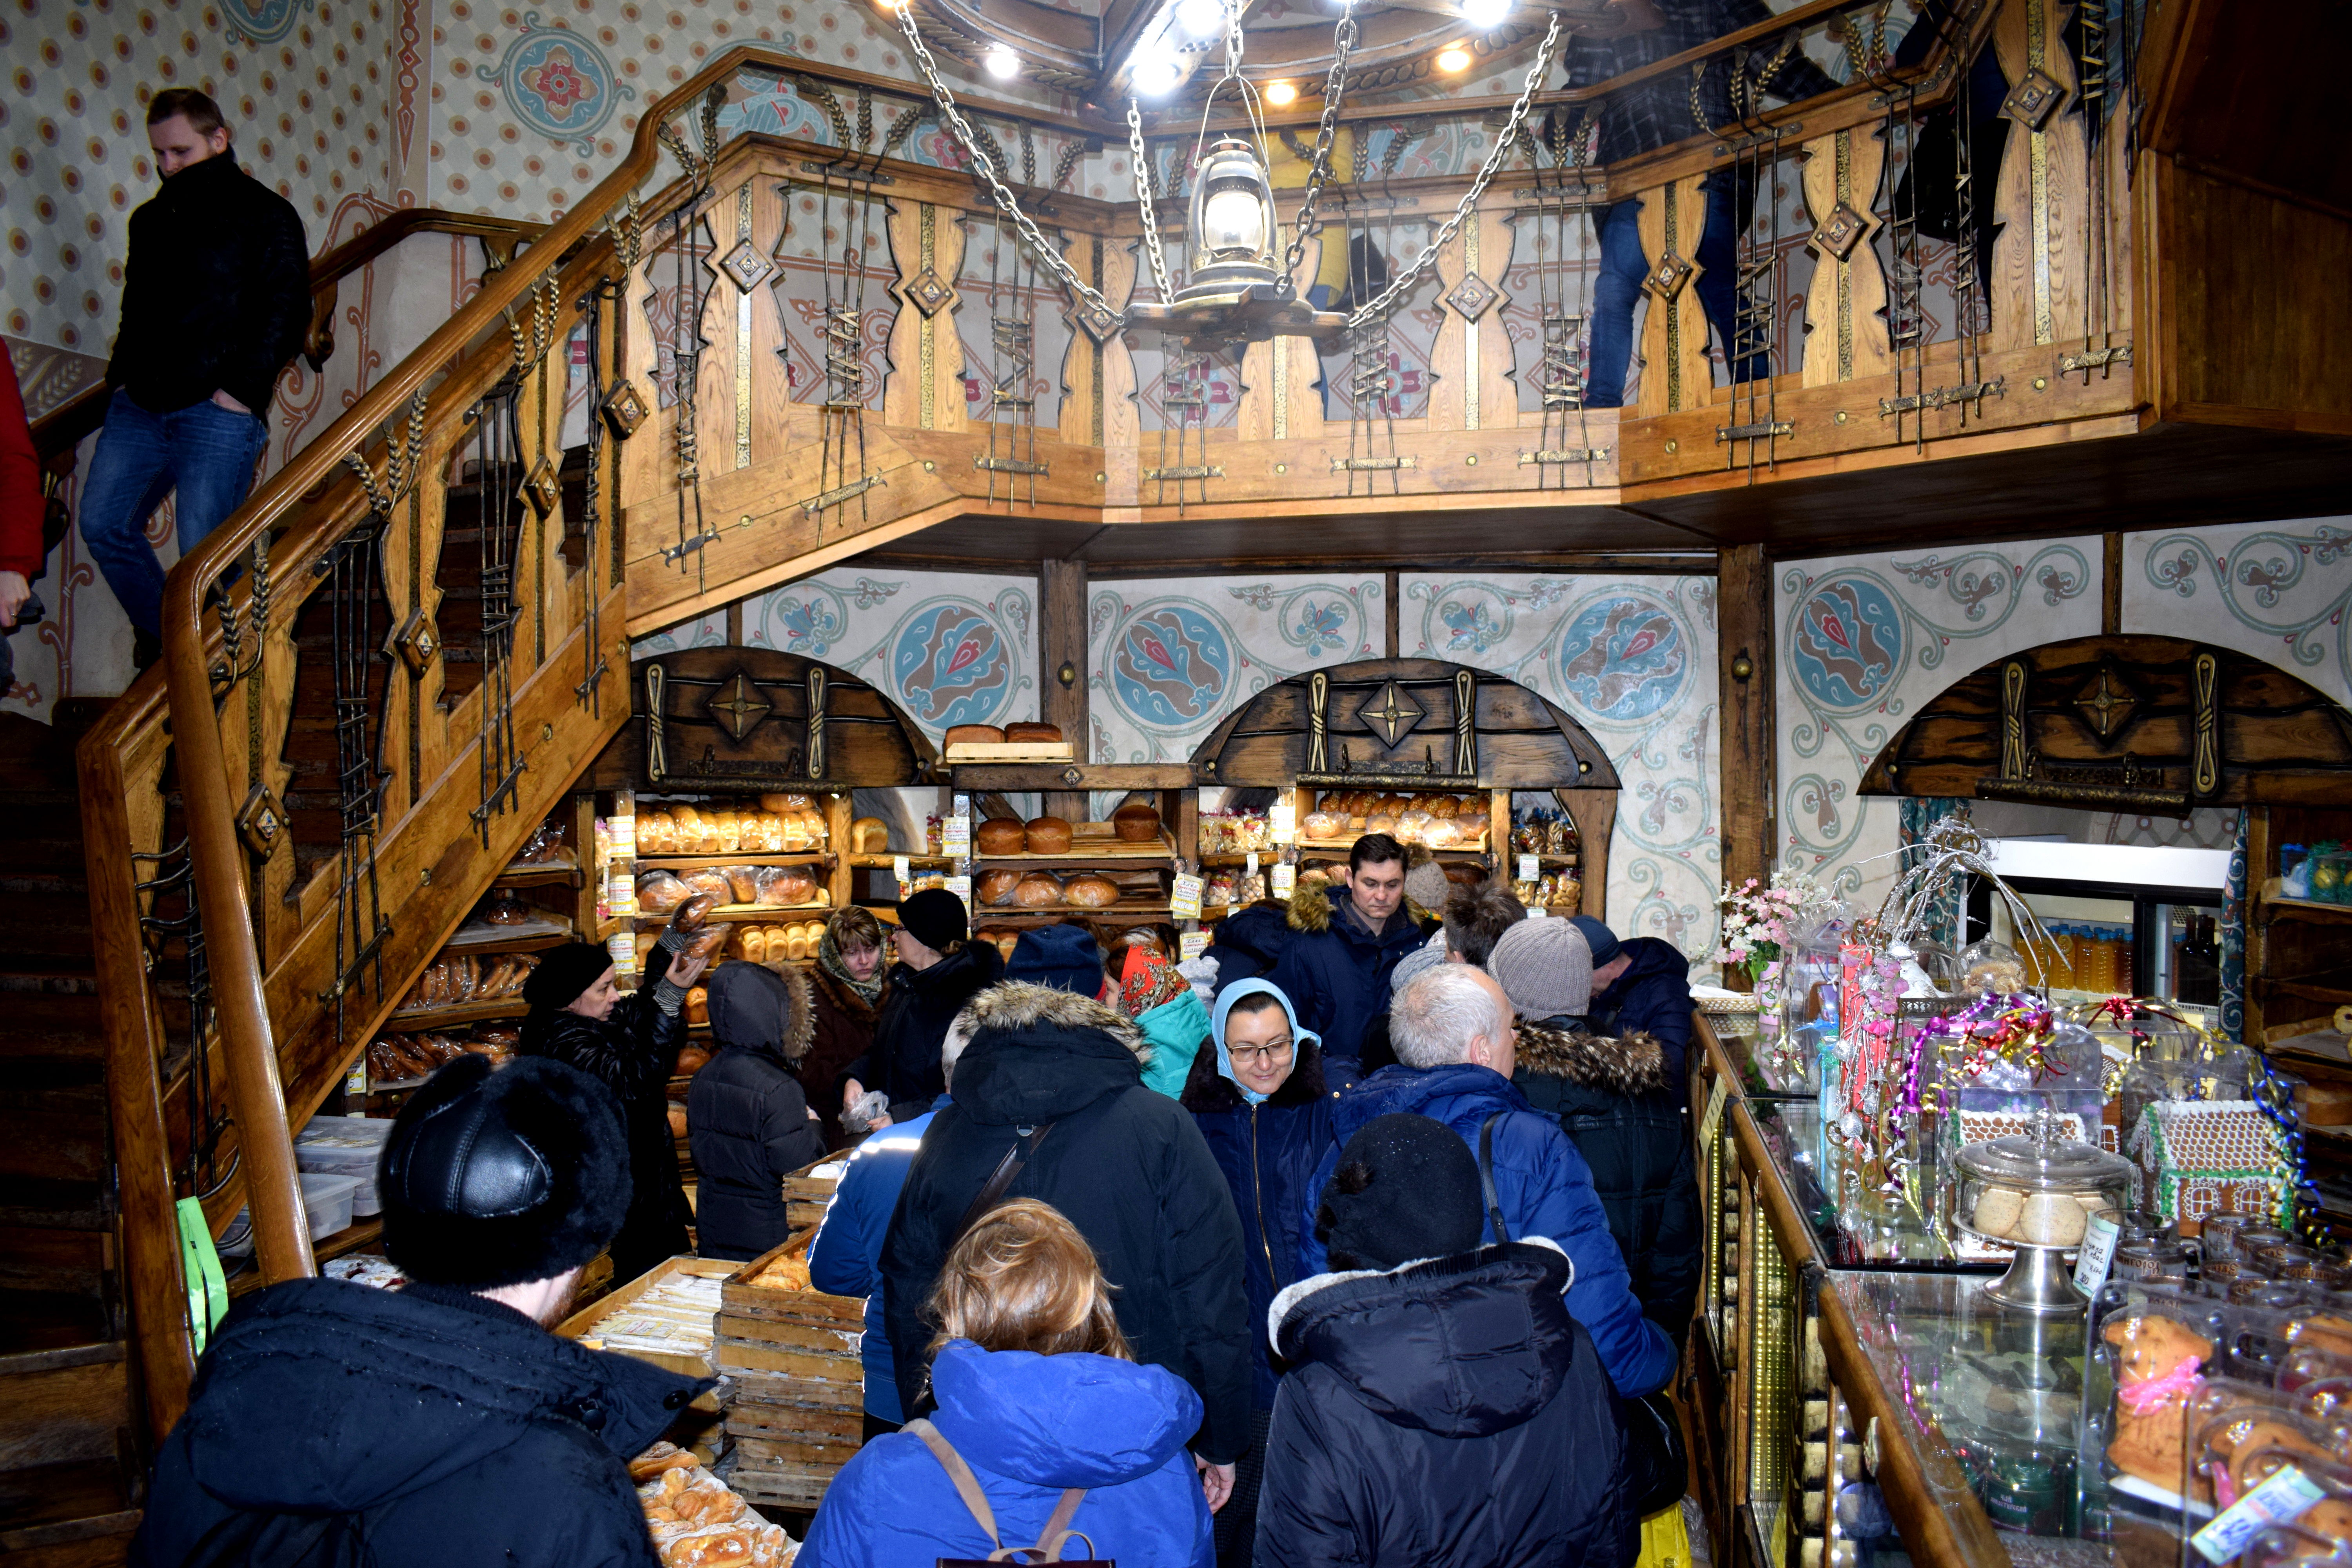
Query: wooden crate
(807, 1196)
(796, 1388)
(582, 1323)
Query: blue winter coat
(1543, 1187)
(845, 1259)
(1268, 1153)
(1029, 1426)
(1335, 973)
(1248, 943)
(1651, 997)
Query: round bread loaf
(743, 884)
(1000, 835)
(1037, 890)
(1136, 823)
(1997, 1211)
(869, 835)
(2052, 1219)
(1091, 893)
(1048, 836)
(995, 887)
(1049, 734)
(973, 734)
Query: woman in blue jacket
(1038, 1399)
(1260, 1103)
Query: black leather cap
(497, 1177)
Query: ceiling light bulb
(1201, 20)
(1485, 13)
(1281, 94)
(1454, 57)
(1001, 62)
(1158, 74)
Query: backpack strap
(1025, 1148)
(1057, 1530)
(1487, 1176)
(967, 1485)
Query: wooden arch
(2124, 723)
(757, 719)
(1420, 723)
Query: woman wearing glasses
(1260, 1103)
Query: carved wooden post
(1675, 373)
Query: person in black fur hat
(440, 1423)
(630, 1044)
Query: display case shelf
(546, 874)
(2271, 907)
(456, 1013)
(533, 938)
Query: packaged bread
(660, 892)
(768, 836)
(795, 831)
(1033, 734)
(708, 941)
(707, 879)
(1000, 835)
(973, 735)
(742, 883)
(869, 835)
(994, 888)
(784, 887)
(1048, 836)
(1324, 824)
(505, 907)
(1135, 823)
(1090, 892)
(1037, 890)
(656, 831)
(692, 1059)
(730, 831)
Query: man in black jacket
(748, 1117)
(1642, 986)
(578, 1016)
(937, 970)
(1058, 1076)
(216, 299)
(442, 1423)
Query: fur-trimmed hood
(1038, 1052)
(1634, 1063)
(1314, 907)
(766, 1011)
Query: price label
(622, 833)
(1184, 896)
(1285, 879)
(1713, 1117)
(898, 871)
(2284, 1499)
(1530, 869)
(955, 838)
(621, 889)
(1191, 945)
(1250, 864)
(622, 947)
(2099, 1251)
(1282, 823)
(355, 1077)
(961, 888)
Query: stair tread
(75, 1499)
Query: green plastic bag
(200, 1268)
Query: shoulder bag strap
(967, 1486)
(1487, 1176)
(1023, 1151)
(1057, 1528)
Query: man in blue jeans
(215, 298)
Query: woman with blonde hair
(1047, 1435)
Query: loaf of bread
(751, 942)
(742, 883)
(1135, 823)
(660, 892)
(1091, 893)
(1037, 890)
(991, 888)
(2324, 1104)
(974, 734)
(698, 1005)
(785, 886)
(708, 880)
(869, 835)
(1047, 734)
(1000, 835)
(1048, 836)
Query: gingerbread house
(2212, 1156)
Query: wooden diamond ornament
(261, 822)
(929, 292)
(745, 266)
(624, 409)
(2033, 102)
(1839, 232)
(738, 707)
(1667, 278)
(1473, 297)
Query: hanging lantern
(1229, 234)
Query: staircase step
(63, 1501)
(63, 1404)
(100, 1542)
(45, 1202)
(54, 1262)
(55, 1026)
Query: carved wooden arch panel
(754, 718)
(2145, 723)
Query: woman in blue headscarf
(1259, 1100)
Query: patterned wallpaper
(1863, 640)
(2279, 591)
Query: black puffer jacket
(1616, 1103)
(1123, 1164)
(1447, 1411)
(434, 1426)
(1248, 943)
(747, 1115)
(634, 1053)
(216, 292)
(1652, 997)
(918, 1005)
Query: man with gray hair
(1452, 1027)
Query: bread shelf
(744, 858)
(1339, 849)
(458, 1013)
(991, 914)
(551, 873)
(533, 938)
(885, 862)
(1088, 851)
(741, 913)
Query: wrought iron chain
(1143, 194)
(1326, 130)
(998, 191)
(1409, 279)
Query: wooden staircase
(71, 1464)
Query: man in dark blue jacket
(1640, 987)
(1457, 1048)
(1346, 941)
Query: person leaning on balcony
(21, 508)
(216, 299)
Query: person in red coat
(21, 510)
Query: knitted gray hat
(1428, 955)
(1426, 885)
(1545, 967)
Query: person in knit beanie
(1545, 969)
(1425, 882)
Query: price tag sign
(1285, 879)
(2099, 1251)
(1191, 945)
(621, 889)
(621, 832)
(1530, 869)
(1250, 864)
(1184, 896)
(961, 888)
(899, 870)
(1713, 1117)
(1283, 823)
(355, 1077)
(2284, 1499)
(955, 838)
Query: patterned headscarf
(1149, 981)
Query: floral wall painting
(558, 83)
(1633, 661)
(1865, 640)
(262, 21)
(2279, 591)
